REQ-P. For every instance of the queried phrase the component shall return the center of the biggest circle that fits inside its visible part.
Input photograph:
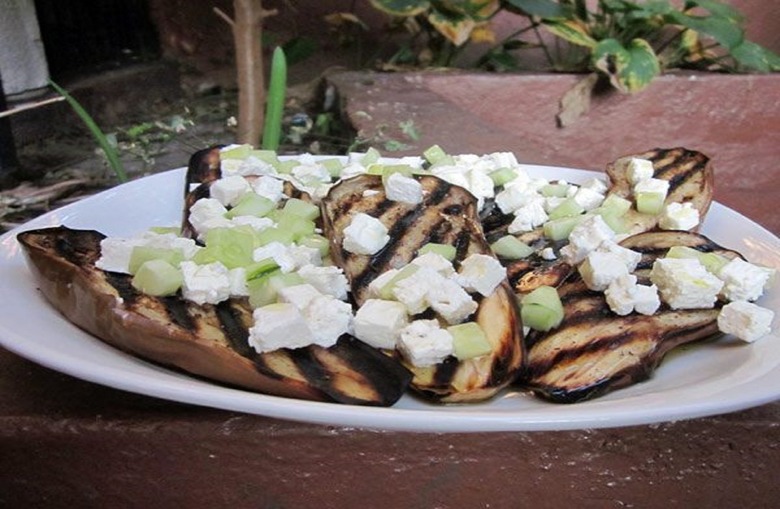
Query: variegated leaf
(402, 7)
(571, 30)
(630, 68)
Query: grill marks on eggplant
(595, 351)
(448, 216)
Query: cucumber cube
(274, 234)
(267, 156)
(434, 154)
(158, 278)
(650, 203)
(502, 176)
(232, 247)
(334, 166)
(445, 250)
(262, 268)
(568, 208)
(386, 292)
(265, 290)
(251, 204)
(317, 241)
(511, 248)
(142, 254)
(297, 226)
(560, 229)
(615, 205)
(285, 167)
(713, 262)
(300, 208)
(557, 190)
(239, 152)
(469, 341)
(389, 169)
(371, 156)
(542, 309)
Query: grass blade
(272, 130)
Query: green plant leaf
(726, 32)
(274, 108)
(717, 8)
(754, 57)
(546, 9)
(105, 144)
(402, 7)
(630, 68)
(479, 10)
(571, 30)
(456, 28)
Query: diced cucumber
(386, 292)
(274, 234)
(162, 230)
(295, 225)
(262, 268)
(267, 156)
(158, 278)
(445, 250)
(317, 241)
(334, 166)
(434, 154)
(239, 152)
(502, 176)
(389, 169)
(542, 309)
(300, 208)
(142, 254)
(617, 223)
(285, 167)
(556, 190)
(511, 248)
(650, 202)
(568, 208)
(713, 262)
(560, 229)
(614, 205)
(232, 247)
(371, 156)
(265, 290)
(252, 204)
(469, 341)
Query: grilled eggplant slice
(595, 351)
(690, 175)
(209, 341)
(447, 215)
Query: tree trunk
(247, 30)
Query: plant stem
(272, 132)
(108, 149)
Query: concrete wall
(22, 59)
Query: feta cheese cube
(548, 254)
(743, 280)
(379, 322)
(652, 186)
(637, 169)
(528, 217)
(412, 291)
(256, 223)
(624, 295)
(678, 216)
(513, 197)
(600, 269)
(684, 283)
(436, 262)
(587, 198)
(626, 256)
(205, 284)
(379, 282)
(365, 235)
(404, 189)
(310, 174)
(480, 184)
(481, 273)
(328, 318)
(278, 252)
(646, 299)
(745, 320)
(238, 286)
(586, 237)
(304, 255)
(503, 160)
(298, 295)
(229, 190)
(454, 175)
(115, 254)
(269, 187)
(451, 301)
(595, 184)
(208, 213)
(329, 280)
(249, 166)
(424, 343)
(279, 325)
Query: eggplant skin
(594, 351)
(207, 341)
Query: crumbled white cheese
(412, 291)
(586, 237)
(329, 280)
(595, 184)
(328, 318)
(404, 189)
(238, 286)
(256, 223)
(637, 169)
(587, 198)
(652, 186)
(365, 235)
(481, 273)
(624, 295)
(528, 217)
(548, 253)
(304, 255)
(249, 166)
(745, 320)
(480, 185)
(279, 325)
(379, 322)
(205, 284)
(379, 282)
(269, 187)
(298, 295)
(451, 301)
(743, 280)
(424, 343)
(115, 252)
(229, 190)
(513, 197)
(279, 253)
(600, 269)
(436, 262)
(626, 256)
(208, 213)
(679, 216)
(684, 283)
